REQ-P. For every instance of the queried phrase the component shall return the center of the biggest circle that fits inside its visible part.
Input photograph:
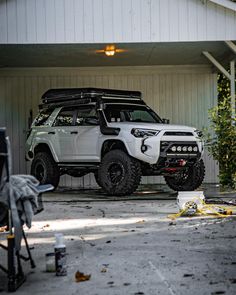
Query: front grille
(178, 133)
(179, 148)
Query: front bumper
(150, 150)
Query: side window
(113, 114)
(86, 116)
(42, 117)
(65, 118)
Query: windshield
(130, 113)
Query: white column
(232, 87)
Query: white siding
(182, 94)
(101, 21)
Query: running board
(78, 165)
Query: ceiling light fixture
(110, 50)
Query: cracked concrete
(130, 247)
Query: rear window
(42, 117)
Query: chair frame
(14, 270)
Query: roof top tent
(64, 94)
(74, 96)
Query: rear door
(86, 135)
(62, 136)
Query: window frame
(35, 122)
(73, 117)
(153, 114)
(91, 106)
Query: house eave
(225, 3)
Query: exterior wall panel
(41, 28)
(102, 21)
(182, 94)
(60, 21)
(31, 20)
(98, 20)
(3, 22)
(11, 22)
(21, 21)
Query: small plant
(221, 136)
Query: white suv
(116, 136)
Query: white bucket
(195, 196)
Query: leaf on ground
(46, 225)
(81, 277)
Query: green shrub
(221, 137)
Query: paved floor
(131, 247)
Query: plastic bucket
(190, 196)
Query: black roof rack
(68, 94)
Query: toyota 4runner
(116, 136)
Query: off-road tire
(119, 174)
(45, 169)
(189, 180)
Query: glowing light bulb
(110, 50)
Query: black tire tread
(53, 173)
(193, 182)
(132, 180)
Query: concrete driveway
(131, 247)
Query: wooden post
(230, 76)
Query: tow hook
(182, 162)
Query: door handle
(51, 132)
(74, 132)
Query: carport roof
(135, 54)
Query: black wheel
(189, 179)
(45, 169)
(119, 174)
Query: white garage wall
(181, 93)
(99, 21)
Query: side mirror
(166, 121)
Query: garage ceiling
(135, 54)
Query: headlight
(137, 132)
(199, 133)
